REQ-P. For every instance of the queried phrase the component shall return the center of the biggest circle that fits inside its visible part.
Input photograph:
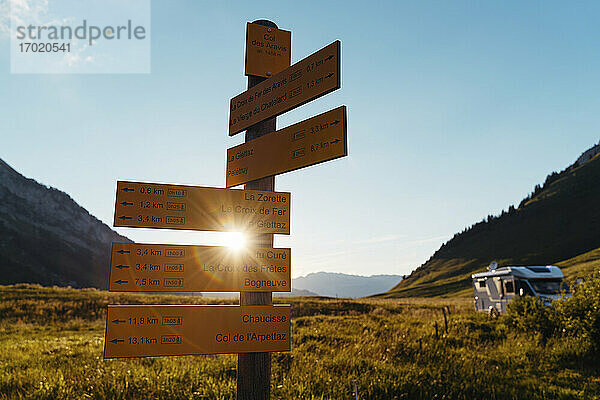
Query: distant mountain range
(329, 284)
(558, 222)
(347, 286)
(47, 238)
(295, 293)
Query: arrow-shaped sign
(290, 88)
(291, 146)
(126, 203)
(120, 281)
(123, 251)
(179, 268)
(118, 321)
(127, 189)
(199, 208)
(192, 329)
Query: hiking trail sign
(308, 79)
(254, 328)
(153, 205)
(268, 50)
(315, 140)
(137, 267)
(169, 330)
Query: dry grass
(52, 340)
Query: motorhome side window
(481, 284)
(509, 286)
(526, 289)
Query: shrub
(529, 314)
(579, 315)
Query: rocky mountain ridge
(47, 238)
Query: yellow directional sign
(139, 267)
(171, 330)
(268, 50)
(318, 139)
(314, 76)
(153, 205)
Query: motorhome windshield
(548, 286)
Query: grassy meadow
(51, 343)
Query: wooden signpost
(315, 140)
(173, 330)
(255, 328)
(137, 267)
(309, 79)
(152, 205)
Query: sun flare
(235, 240)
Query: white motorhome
(496, 287)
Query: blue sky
(456, 110)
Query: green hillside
(581, 265)
(559, 223)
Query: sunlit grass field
(51, 343)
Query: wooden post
(254, 369)
(445, 320)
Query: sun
(235, 240)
